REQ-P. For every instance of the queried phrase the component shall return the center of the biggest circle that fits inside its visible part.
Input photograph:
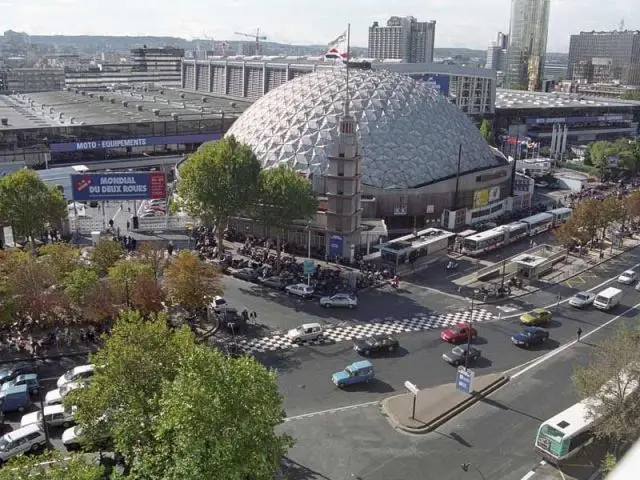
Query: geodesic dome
(410, 134)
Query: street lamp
(466, 358)
(309, 251)
(45, 428)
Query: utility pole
(466, 358)
(45, 428)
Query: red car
(459, 333)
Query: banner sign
(440, 82)
(133, 142)
(335, 246)
(119, 186)
(570, 120)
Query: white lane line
(567, 299)
(530, 474)
(561, 349)
(331, 410)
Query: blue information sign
(308, 267)
(104, 144)
(464, 380)
(118, 186)
(335, 246)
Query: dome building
(422, 159)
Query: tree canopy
(179, 410)
(190, 282)
(53, 466)
(487, 132)
(219, 181)
(627, 151)
(284, 196)
(105, 254)
(28, 204)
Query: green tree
(61, 257)
(487, 132)
(105, 254)
(597, 152)
(53, 466)
(609, 463)
(609, 377)
(612, 210)
(587, 219)
(190, 282)
(152, 256)
(79, 285)
(29, 205)
(284, 196)
(122, 276)
(219, 181)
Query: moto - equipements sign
(119, 186)
(133, 142)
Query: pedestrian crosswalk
(343, 333)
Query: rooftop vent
(182, 95)
(204, 100)
(139, 108)
(4, 121)
(72, 119)
(60, 115)
(91, 95)
(77, 91)
(101, 98)
(83, 93)
(154, 98)
(233, 104)
(125, 104)
(51, 109)
(174, 116)
(161, 92)
(112, 100)
(156, 112)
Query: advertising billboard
(119, 186)
(104, 144)
(480, 198)
(335, 246)
(585, 119)
(441, 82)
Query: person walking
(579, 332)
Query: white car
(54, 416)
(219, 303)
(300, 290)
(78, 373)
(305, 333)
(158, 202)
(628, 277)
(340, 300)
(582, 299)
(56, 395)
(26, 439)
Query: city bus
(560, 215)
(539, 223)
(564, 435)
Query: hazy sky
(460, 23)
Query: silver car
(346, 300)
(582, 299)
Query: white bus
(564, 435)
(539, 223)
(495, 238)
(560, 215)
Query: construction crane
(256, 36)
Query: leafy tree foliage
(122, 277)
(105, 254)
(632, 203)
(28, 204)
(284, 196)
(628, 151)
(79, 285)
(146, 294)
(62, 258)
(177, 410)
(53, 466)
(616, 358)
(190, 282)
(219, 181)
(487, 132)
(153, 257)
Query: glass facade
(529, 26)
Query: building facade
(605, 57)
(157, 59)
(403, 38)
(528, 29)
(473, 90)
(101, 80)
(497, 53)
(29, 80)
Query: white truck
(607, 298)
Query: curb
(446, 416)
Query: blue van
(15, 398)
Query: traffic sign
(411, 387)
(308, 267)
(464, 380)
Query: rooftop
(535, 100)
(415, 241)
(76, 107)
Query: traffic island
(437, 405)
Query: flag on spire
(337, 48)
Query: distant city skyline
(466, 23)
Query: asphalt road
(495, 436)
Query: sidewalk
(437, 405)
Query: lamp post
(45, 428)
(309, 251)
(466, 358)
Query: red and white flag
(337, 48)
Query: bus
(564, 435)
(560, 215)
(495, 238)
(539, 223)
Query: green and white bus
(564, 435)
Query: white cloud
(468, 23)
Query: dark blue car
(530, 336)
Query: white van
(30, 438)
(608, 298)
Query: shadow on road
(374, 386)
(502, 406)
(281, 360)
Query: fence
(87, 225)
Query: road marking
(437, 292)
(561, 349)
(579, 280)
(331, 410)
(532, 472)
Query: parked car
(357, 372)
(54, 416)
(530, 336)
(231, 319)
(248, 274)
(15, 399)
(160, 202)
(300, 290)
(73, 438)
(76, 374)
(148, 214)
(582, 299)
(9, 372)
(21, 440)
(538, 316)
(55, 396)
(28, 379)
(628, 277)
(219, 303)
(459, 333)
(274, 282)
(375, 344)
(459, 354)
(347, 300)
(305, 333)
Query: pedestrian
(254, 317)
(579, 332)
(128, 225)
